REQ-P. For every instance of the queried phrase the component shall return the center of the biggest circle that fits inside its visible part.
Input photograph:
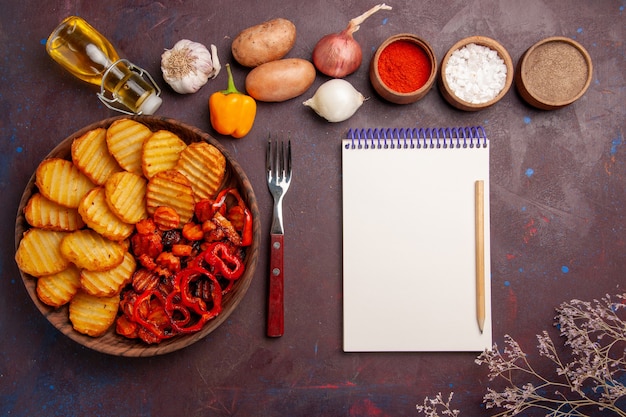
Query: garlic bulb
(189, 65)
(336, 100)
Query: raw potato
(280, 80)
(264, 42)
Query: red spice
(404, 66)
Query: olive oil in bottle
(89, 56)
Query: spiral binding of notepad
(417, 138)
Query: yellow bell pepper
(232, 112)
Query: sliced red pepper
(183, 288)
(179, 314)
(246, 233)
(219, 204)
(142, 311)
(125, 327)
(235, 216)
(230, 283)
(193, 295)
(206, 208)
(223, 261)
(187, 299)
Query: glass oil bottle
(89, 56)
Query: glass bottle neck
(125, 85)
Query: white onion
(336, 100)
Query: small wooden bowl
(553, 73)
(403, 97)
(445, 88)
(112, 343)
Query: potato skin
(265, 42)
(280, 80)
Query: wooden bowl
(553, 73)
(388, 93)
(445, 88)
(111, 342)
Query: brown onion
(338, 54)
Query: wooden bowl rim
(111, 343)
(483, 41)
(547, 104)
(397, 96)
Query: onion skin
(337, 55)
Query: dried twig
(591, 380)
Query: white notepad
(409, 240)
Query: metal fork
(278, 165)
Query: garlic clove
(188, 65)
(216, 62)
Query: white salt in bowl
(475, 73)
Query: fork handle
(276, 309)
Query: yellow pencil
(480, 253)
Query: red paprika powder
(404, 67)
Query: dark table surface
(557, 196)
